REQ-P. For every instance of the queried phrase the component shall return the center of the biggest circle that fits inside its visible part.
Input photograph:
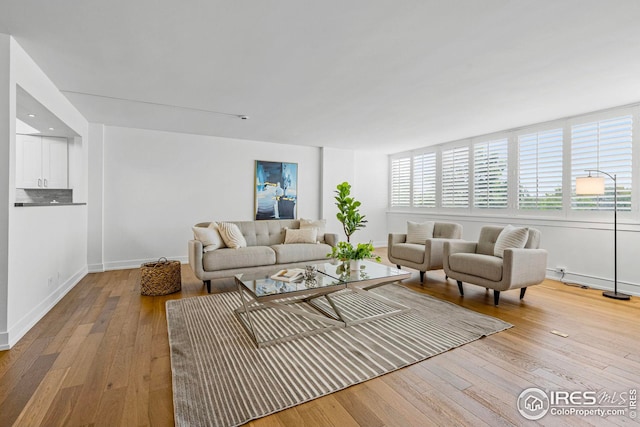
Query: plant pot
(354, 265)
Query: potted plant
(348, 213)
(351, 219)
(346, 252)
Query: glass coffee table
(273, 311)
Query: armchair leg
(398, 265)
(422, 277)
(207, 283)
(522, 291)
(460, 288)
(496, 297)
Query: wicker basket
(160, 278)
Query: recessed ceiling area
(37, 117)
(375, 74)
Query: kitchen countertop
(27, 204)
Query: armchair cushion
(486, 266)
(510, 237)
(419, 232)
(409, 251)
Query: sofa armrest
(195, 258)
(524, 267)
(331, 239)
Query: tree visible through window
(540, 170)
(490, 184)
(605, 145)
(455, 178)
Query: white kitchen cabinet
(41, 162)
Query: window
(424, 180)
(540, 170)
(455, 178)
(490, 174)
(604, 145)
(401, 181)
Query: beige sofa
(265, 251)
(422, 256)
(476, 263)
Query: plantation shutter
(605, 145)
(424, 180)
(455, 178)
(401, 182)
(490, 174)
(540, 170)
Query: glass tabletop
(328, 275)
(368, 271)
(262, 285)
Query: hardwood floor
(101, 357)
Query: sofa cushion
(510, 237)
(305, 235)
(320, 224)
(486, 266)
(231, 235)
(300, 252)
(419, 232)
(227, 258)
(408, 251)
(209, 237)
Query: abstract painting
(276, 190)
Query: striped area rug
(221, 379)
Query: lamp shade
(590, 186)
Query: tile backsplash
(42, 195)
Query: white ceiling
(364, 74)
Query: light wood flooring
(101, 357)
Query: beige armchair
(477, 264)
(426, 255)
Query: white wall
(47, 246)
(584, 248)
(157, 185)
(372, 186)
(95, 198)
(338, 166)
(7, 111)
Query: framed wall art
(276, 195)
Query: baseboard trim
(96, 268)
(135, 263)
(17, 331)
(594, 282)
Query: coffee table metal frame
(332, 319)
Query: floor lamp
(594, 186)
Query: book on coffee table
(290, 275)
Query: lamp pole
(615, 293)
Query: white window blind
(401, 182)
(455, 178)
(490, 174)
(424, 180)
(605, 145)
(540, 170)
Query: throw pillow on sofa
(232, 235)
(510, 237)
(209, 237)
(303, 235)
(419, 232)
(319, 224)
